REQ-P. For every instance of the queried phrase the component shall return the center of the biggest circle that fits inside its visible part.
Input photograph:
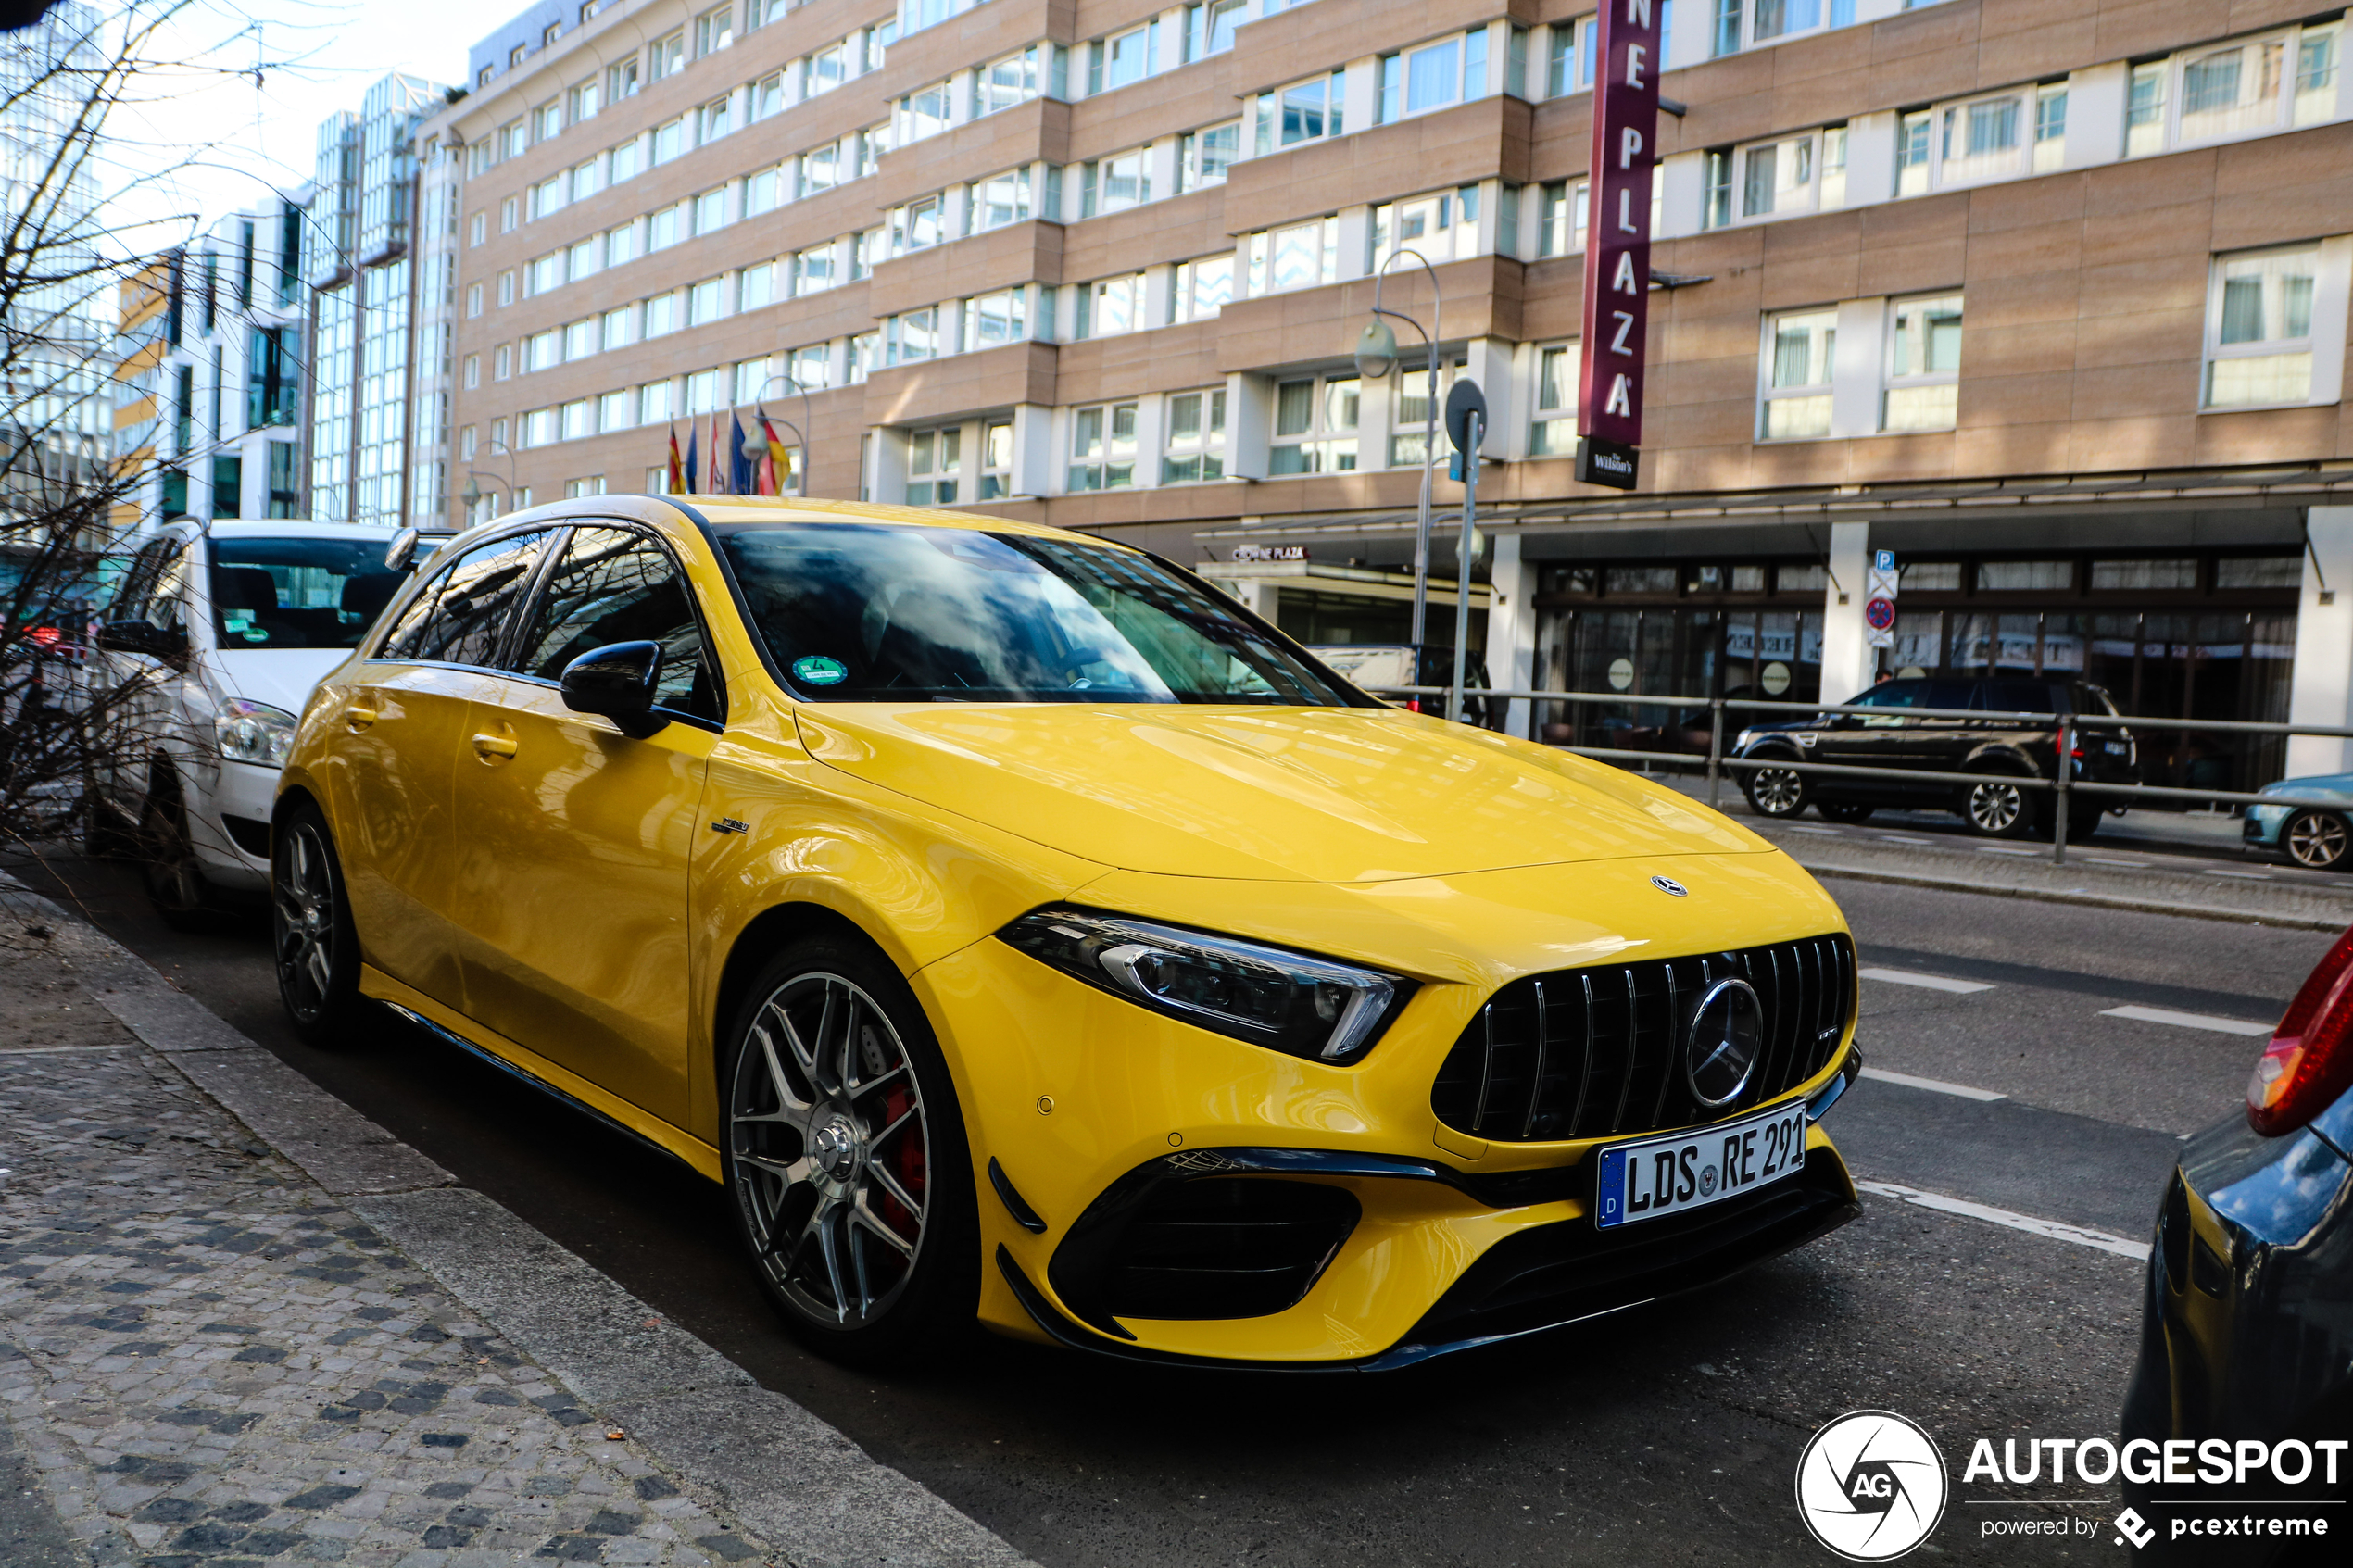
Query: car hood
(281, 677)
(1319, 794)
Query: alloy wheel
(1778, 792)
(2316, 840)
(831, 1150)
(175, 882)
(1996, 805)
(302, 906)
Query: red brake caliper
(906, 1161)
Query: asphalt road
(1666, 1435)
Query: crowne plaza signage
(1618, 242)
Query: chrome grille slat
(1526, 1069)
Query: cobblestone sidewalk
(208, 1360)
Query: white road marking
(2100, 1240)
(1925, 982)
(2242, 876)
(1937, 1084)
(1903, 838)
(2004, 849)
(2112, 860)
(2188, 1021)
(1832, 832)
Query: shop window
(1923, 364)
(1796, 395)
(2115, 576)
(1316, 422)
(2258, 331)
(1725, 580)
(1929, 576)
(1102, 447)
(1553, 433)
(1196, 445)
(2025, 576)
(1812, 579)
(2259, 572)
(935, 458)
(1304, 111)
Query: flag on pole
(741, 476)
(773, 466)
(693, 470)
(677, 471)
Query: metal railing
(1716, 761)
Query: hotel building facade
(2050, 300)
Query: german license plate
(1690, 1170)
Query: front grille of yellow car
(1584, 1053)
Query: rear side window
(1895, 693)
(613, 585)
(462, 616)
(2017, 696)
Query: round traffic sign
(1880, 614)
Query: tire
(176, 884)
(2000, 805)
(848, 1169)
(105, 835)
(1777, 793)
(2083, 825)
(1843, 812)
(2317, 841)
(314, 945)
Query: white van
(205, 662)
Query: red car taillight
(2309, 1061)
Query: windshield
(297, 593)
(878, 613)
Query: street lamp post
(472, 494)
(1376, 358)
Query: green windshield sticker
(818, 671)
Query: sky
(323, 56)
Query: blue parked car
(2312, 837)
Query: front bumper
(2261, 826)
(1407, 1239)
(2247, 1318)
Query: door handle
(358, 716)
(493, 748)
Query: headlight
(1740, 744)
(1285, 1001)
(254, 732)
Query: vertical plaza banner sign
(1617, 243)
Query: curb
(2094, 900)
(787, 1474)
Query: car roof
(736, 510)
(285, 528)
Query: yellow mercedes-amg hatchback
(1022, 931)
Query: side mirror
(618, 681)
(143, 637)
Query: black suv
(2004, 750)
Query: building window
(1923, 364)
(811, 367)
(1110, 306)
(666, 56)
(994, 319)
(621, 164)
(1797, 375)
(933, 459)
(1410, 405)
(756, 287)
(1016, 79)
(507, 287)
(1102, 447)
(617, 328)
(1450, 71)
(1209, 29)
(821, 168)
(544, 274)
(1114, 184)
(1553, 433)
(1568, 67)
(472, 377)
(1300, 256)
(865, 357)
(547, 122)
(865, 250)
(996, 460)
(1315, 426)
(586, 100)
(577, 419)
(510, 214)
(580, 339)
(825, 71)
(540, 351)
(660, 317)
(653, 403)
(714, 30)
(473, 300)
(1202, 289)
(513, 137)
(706, 302)
(2258, 332)
(915, 226)
(2050, 128)
(1203, 157)
(1195, 448)
(285, 493)
(812, 269)
(999, 200)
(1116, 62)
(623, 81)
(1777, 177)
(912, 336)
(1443, 227)
(1560, 219)
(711, 212)
(273, 382)
(621, 244)
(922, 114)
(501, 362)
(1305, 111)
